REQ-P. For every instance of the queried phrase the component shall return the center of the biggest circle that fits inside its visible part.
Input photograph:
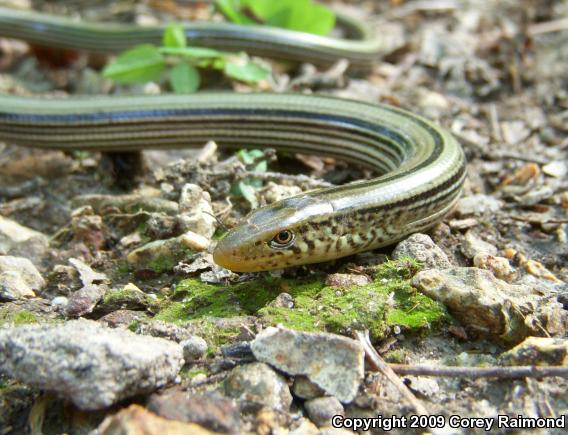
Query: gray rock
(17, 240)
(137, 420)
(128, 297)
(194, 348)
(84, 300)
(303, 426)
(24, 268)
(148, 255)
(322, 409)
(196, 213)
(91, 365)
(500, 266)
(538, 351)
(123, 318)
(473, 245)
(283, 300)
(422, 248)
(14, 287)
(306, 389)
(211, 411)
(485, 304)
(330, 430)
(158, 328)
(346, 280)
(258, 383)
(95, 286)
(478, 204)
(332, 362)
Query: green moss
(415, 311)
(25, 317)
(134, 325)
(201, 300)
(188, 374)
(389, 301)
(162, 262)
(401, 269)
(396, 356)
(129, 296)
(18, 318)
(214, 334)
(122, 268)
(297, 318)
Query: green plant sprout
(250, 185)
(178, 63)
(300, 15)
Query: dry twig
(511, 372)
(296, 179)
(378, 364)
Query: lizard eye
(282, 240)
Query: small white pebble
(59, 302)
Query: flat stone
(176, 248)
(304, 427)
(84, 300)
(87, 363)
(477, 205)
(499, 266)
(213, 412)
(346, 280)
(122, 318)
(129, 297)
(322, 409)
(21, 241)
(538, 351)
(258, 383)
(306, 389)
(332, 362)
(330, 430)
(473, 245)
(24, 268)
(423, 249)
(489, 306)
(14, 287)
(137, 420)
(195, 211)
(158, 328)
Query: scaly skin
(422, 167)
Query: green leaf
(191, 52)
(219, 63)
(314, 18)
(184, 78)
(140, 64)
(231, 10)
(248, 157)
(300, 15)
(245, 71)
(248, 192)
(266, 8)
(174, 36)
